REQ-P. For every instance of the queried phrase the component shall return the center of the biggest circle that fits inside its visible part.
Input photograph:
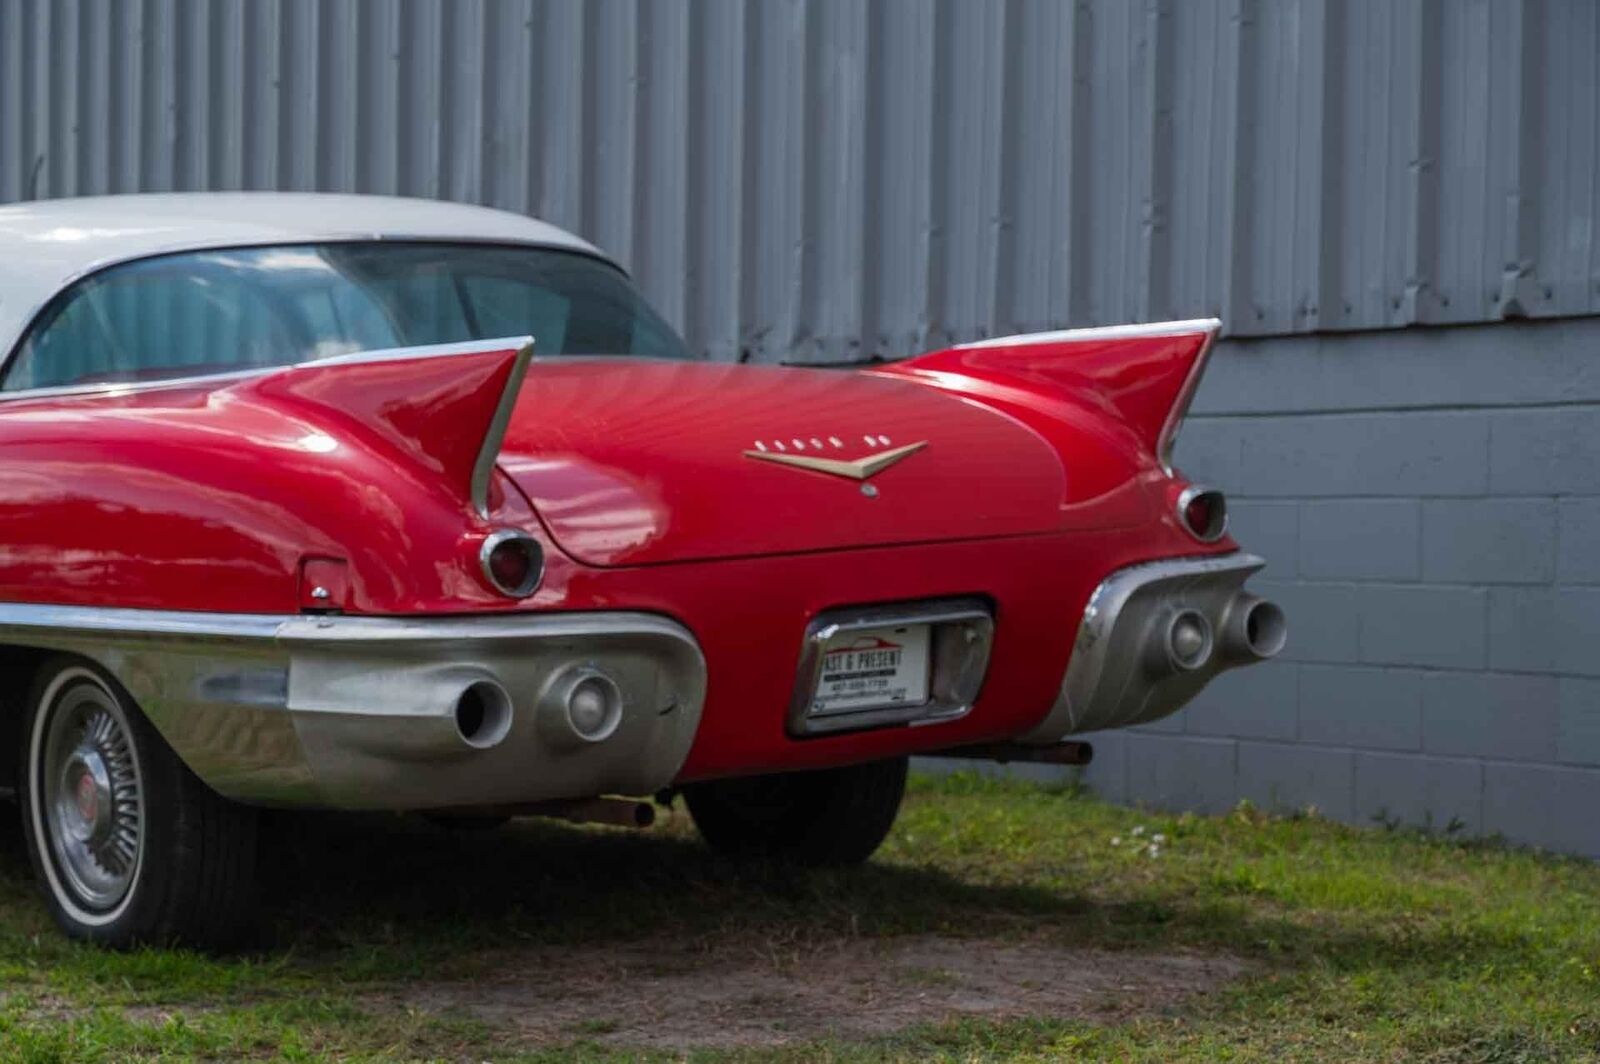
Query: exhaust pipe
(1253, 629)
(483, 714)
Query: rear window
(204, 312)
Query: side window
(147, 321)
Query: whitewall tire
(128, 846)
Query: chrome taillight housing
(1203, 513)
(512, 562)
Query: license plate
(873, 668)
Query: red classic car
(366, 503)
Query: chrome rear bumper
(1153, 635)
(394, 713)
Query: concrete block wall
(1429, 504)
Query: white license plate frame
(874, 668)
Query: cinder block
(1181, 772)
(1578, 739)
(1489, 541)
(1577, 631)
(1270, 529)
(1545, 630)
(1107, 774)
(1258, 702)
(1171, 725)
(1361, 707)
(1479, 714)
(1579, 556)
(1207, 451)
(1287, 778)
(1432, 792)
(1324, 619)
(1545, 452)
(1361, 539)
(1439, 626)
(1543, 805)
(1522, 629)
(1366, 454)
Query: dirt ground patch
(662, 995)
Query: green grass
(1362, 943)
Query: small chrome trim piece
(857, 469)
(495, 437)
(1187, 496)
(512, 535)
(1101, 332)
(963, 636)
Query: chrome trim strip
(387, 354)
(357, 712)
(963, 636)
(495, 437)
(23, 619)
(1101, 332)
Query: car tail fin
(1146, 373)
(445, 405)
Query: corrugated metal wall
(837, 178)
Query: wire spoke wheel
(128, 846)
(89, 794)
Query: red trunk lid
(637, 463)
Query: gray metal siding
(835, 178)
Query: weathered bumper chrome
(1124, 669)
(361, 712)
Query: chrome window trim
(952, 689)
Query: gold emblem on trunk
(860, 469)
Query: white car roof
(45, 245)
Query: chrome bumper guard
(394, 713)
(1153, 635)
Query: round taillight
(1203, 513)
(513, 563)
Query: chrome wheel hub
(93, 800)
